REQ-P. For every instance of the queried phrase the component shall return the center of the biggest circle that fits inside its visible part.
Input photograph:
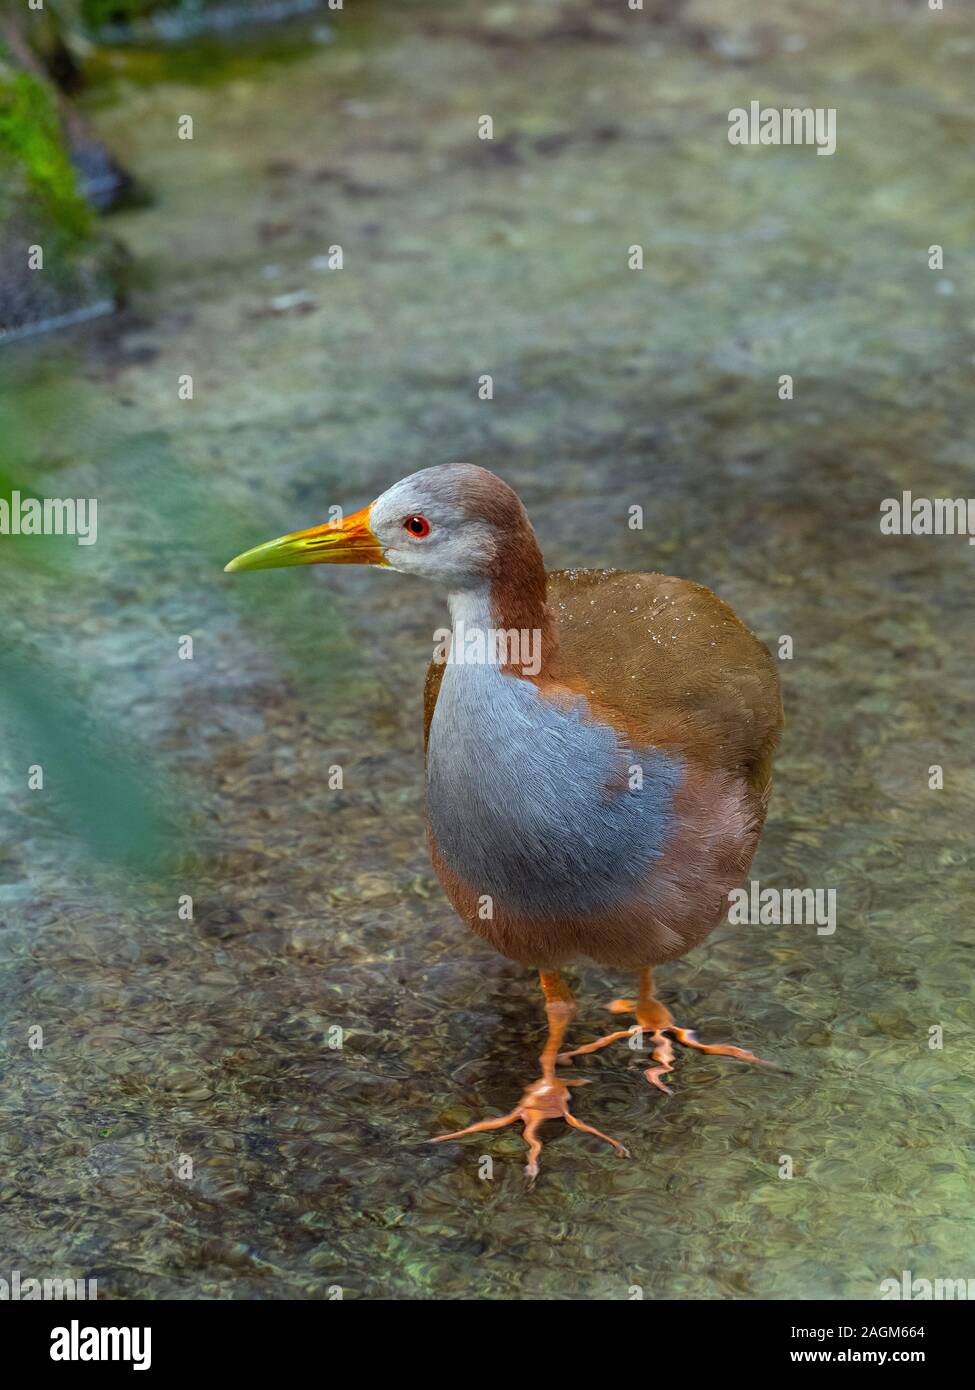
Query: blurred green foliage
(100, 787)
(166, 529)
(96, 789)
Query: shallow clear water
(316, 909)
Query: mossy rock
(38, 42)
(41, 207)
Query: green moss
(31, 141)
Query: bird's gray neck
(480, 637)
(471, 606)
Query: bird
(598, 753)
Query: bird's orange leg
(654, 1018)
(548, 1098)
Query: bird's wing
(675, 663)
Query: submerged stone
(140, 21)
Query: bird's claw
(545, 1099)
(658, 1026)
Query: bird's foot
(545, 1099)
(654, 1028)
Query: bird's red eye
(417, 526)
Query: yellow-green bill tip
(350, 542)
(270, 555)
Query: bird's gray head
(456, 524)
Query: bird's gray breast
(537, 805)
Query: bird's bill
(348, 542)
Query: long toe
(591, 1129)
(499, 1123)
(545, 1099)
(688, 1038)
(598, 1045)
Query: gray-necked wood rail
(598, 753)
